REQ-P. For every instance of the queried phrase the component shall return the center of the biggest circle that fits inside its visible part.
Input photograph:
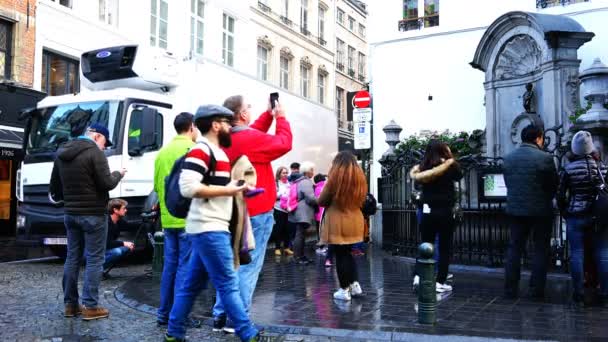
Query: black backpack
(369, 205)
(178, 205)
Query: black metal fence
(482, 232)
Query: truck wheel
(59, 251)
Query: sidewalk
(298, 299)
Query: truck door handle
(130, 190)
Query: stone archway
(522, 48)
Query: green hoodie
(162, 167)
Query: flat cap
(207, 111)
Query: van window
(134, 132)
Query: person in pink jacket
(320, 180)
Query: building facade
(420, 54)
(351, 63)
(221, 48)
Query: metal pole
(158, 258)
(427, 297)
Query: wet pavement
(298, 299)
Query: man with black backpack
(176, 244)
(208, 223)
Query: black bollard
(427, 297)
(158, 258)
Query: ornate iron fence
(482, 233)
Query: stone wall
(23, 38)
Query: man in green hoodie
(177, 246)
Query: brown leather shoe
(72, 310)
(89, 314)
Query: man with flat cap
(205, 177)
(81, 177)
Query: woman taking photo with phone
(436, 175)
(342, 224)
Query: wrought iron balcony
(322, 41)
(340, 66)
(418, 23)
(361, 78)
(286, 21)
(552, 3)
(264, 7)
(351, 72)
(304, 31)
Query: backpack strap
(212, 163)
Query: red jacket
(261, 148)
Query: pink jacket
(318, 188)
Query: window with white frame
(304, 81)
(321, 87)
(321, 23)
(351, 60)
(340, 54)
(108, 12)
(284, 64)
(197, 26)
(339, 101)
(362, 30)
(262, 63)
(340, 16)
(304, 16)
(351, 23)
(159, 23)
(228, 40)
(362, 66)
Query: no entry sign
(361, 99)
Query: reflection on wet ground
(301, 297)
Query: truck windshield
(57, 125)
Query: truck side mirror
(148, 127)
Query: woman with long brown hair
(436, 174)
(342, 224)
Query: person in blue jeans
(116, 249)
(177, 247)
(261, 147)
(577, 190)
(208, 224)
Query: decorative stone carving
(571, 90)
(305, 62)
(265, 42)
(521, 56)
(286, 52)
(323, 70)
(595, 80)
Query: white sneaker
(416, 282)
(355, 289)
(441, 288)
(342, 294)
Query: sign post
(362, 116)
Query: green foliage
(578, 112)
(461, 144)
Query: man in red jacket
(261, 148)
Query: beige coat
(240, 224)
(340, 226)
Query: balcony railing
(552, 3)
(361, 77)
(340, 66)
(304, 31)
(351, 72)
(322, 41)
(418, 23)
(264, 7)
(286, 21)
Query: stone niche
(522, 48)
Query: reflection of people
(81, 173)
(116, 249)
(528, 99)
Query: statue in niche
(529, 98)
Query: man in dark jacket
(81, 177)
(116, 249)
(531, 180)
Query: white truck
(137, 93)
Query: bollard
(158, 258)
(427, 297)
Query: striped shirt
(206, 214)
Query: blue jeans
(248, 274)
(177, 250)
(578, 228)
(114, 255)
(211, 258)
(88, 234)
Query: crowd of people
(535, 190)
(236, 205)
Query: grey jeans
(85, 234)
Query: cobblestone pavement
(291, 300)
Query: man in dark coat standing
(81, 177)
(531, 180)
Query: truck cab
(138, 112)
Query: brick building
(17, 41)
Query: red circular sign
(361, 99)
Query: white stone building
(420, 52)
(222, 48)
